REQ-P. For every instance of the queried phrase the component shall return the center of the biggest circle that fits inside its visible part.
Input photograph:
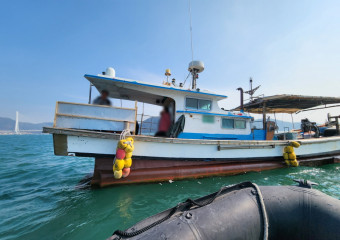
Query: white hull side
(102, 146)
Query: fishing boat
(204, 139)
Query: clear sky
(46, 47)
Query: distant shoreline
(24, 132)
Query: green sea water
(39, 197)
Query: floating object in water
(246, 211)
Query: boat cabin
(204, 119)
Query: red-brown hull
(144, 170)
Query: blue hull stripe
(258, 135)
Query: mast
(16, 129)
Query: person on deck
(102, 99)
(164, 123)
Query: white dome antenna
(194, 68)
(110, 72)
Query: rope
(173, 210)
(133, 234)
(264, 212)
(186, 79)
(193, 202)
(125, 132)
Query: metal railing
(147, 125)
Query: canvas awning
(287, 103)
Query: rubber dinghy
(246, 211)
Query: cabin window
(191, 103)
(233, 123)
(198, 104)
(204, 104)
(240, 124)
(227, 123)
(208, 119)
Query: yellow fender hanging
(121, 167)
(289, 155)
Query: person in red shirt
(164, 123)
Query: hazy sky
(46, 47)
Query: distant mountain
(7, 124)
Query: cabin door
(270, 130)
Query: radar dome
(196, 66)
(110, 72)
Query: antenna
(192, 48)
(252, 90)
(194, 68)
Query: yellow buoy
(121, 167)
(292, 156)
(289, 149)
(128, 162)
(128, 155)
(117, 174)
(294, 163)
(119, 164)
(287, 162)
(129, 148)
(121, 144)
(285, 156)
(295, 144)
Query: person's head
(104, 94)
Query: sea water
(40, 196)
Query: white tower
(16, 129)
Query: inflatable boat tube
(245, 211)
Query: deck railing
(148, 124)
(94, 117)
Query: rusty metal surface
(144, 171)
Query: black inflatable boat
(246, 211)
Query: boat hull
(146, 170)
(161, 159)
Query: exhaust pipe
(241, 93)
